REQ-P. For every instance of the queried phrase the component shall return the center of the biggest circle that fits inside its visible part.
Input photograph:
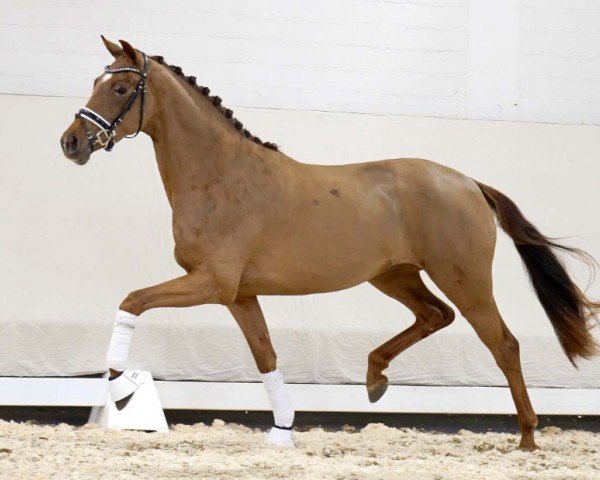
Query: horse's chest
(205, 235)
(195, 241)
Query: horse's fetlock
(376, 360)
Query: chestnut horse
(249, 220)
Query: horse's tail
(569, 310)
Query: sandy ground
(230, 451)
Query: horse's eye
(120, 90)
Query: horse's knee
(134, 303)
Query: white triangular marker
(143, 412)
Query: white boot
(280, 437)
(124, 385)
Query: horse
(249, 220)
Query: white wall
(523, 60)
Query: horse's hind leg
(404, 284)
(470, 289)
(494, 333)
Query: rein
(105, 137)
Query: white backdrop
(74, 241)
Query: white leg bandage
(283, 412)
(118, 348)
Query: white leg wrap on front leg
(116, 358)
(118, 348)
(283, 412)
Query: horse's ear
(113, 48)
(130, 51)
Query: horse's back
(337, 226)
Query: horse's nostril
(71, 144)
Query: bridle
(105, 137)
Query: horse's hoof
(528, 446)
(377, 388)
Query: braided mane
(217, 102)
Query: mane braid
(217, 102)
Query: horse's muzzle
(75, 146)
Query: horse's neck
(193, 144)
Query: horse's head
(117, 107)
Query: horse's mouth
(82, 160)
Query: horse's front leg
(249, 316)
(196, 288)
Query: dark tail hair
(569, 310)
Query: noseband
(105, 137)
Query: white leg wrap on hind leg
(283, 411)
(118, 348)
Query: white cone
(143, 412)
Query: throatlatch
(105, 137)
